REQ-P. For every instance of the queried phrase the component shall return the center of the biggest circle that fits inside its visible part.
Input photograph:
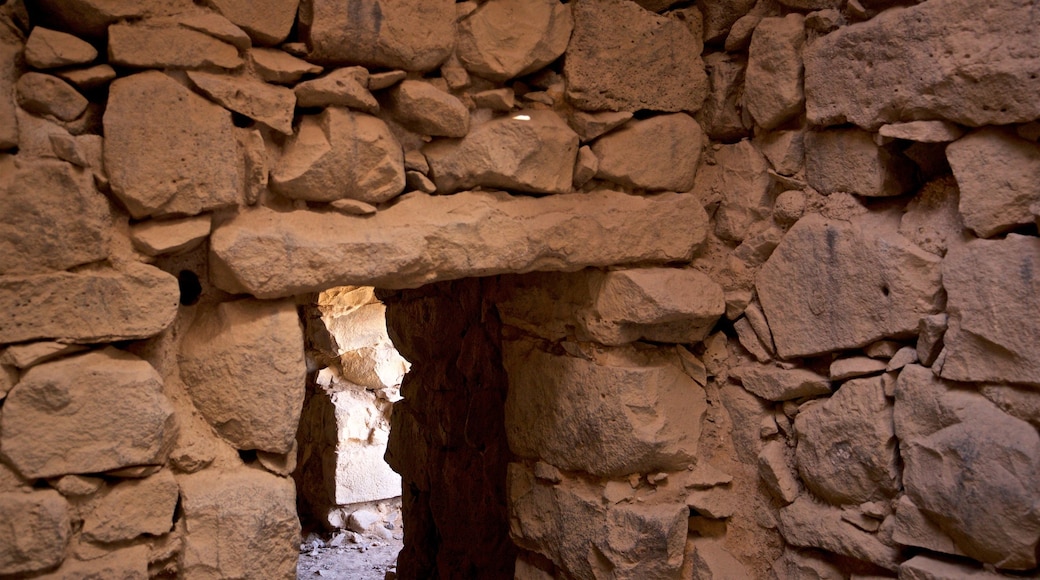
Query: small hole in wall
(240, 120)
(885, 290)
(247, 455)
(190, 287)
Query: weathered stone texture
(244, 369)
(132, 508)
(622, 57)
(48, 48)
(87, 414)
(152, 45)
(848, 160)
(428, 110)
(34, 530)
(941, 59)
(267, 21)
(168, 150)
(503, 39)
(773, 92)
(370, 32)
(271, 105)
(658, 154)
(417, 240)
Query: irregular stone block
(170, 236)
(92, 306)
(9, 73)
(531, 151)
(930, 337)
(341, 154)
(1023, 403)
(739, 183)
(566, 522)
(48, 95)
(998, 176)
(34, 532)
(132, 508)
(913, 528)
(955, 66)
(168, 150)
(244, 369)
(847, 445)
(268, 22)
(657, 304)
(425, 238)
(26, 355)
(86, 414)
(632, 411)
(367, 32)
(427, 110)
(848, 160)
(721, 114)
(922, 131)
(925, 404)
(773, 82)
(720, 15)
(503, 39)
(778, 384)
(124, 563)
(588, 126)
(48, 48)
(711, 560)
(643, 154)
(216, 26)
(44, 196)
(88, 78)
(271, 105)
(806, 524)
(856, 366)
(623, 57)
(153, 45)
(925, 567)
(343, 87)
(277, 66)
(994, 295)
(795, 564)
(90, 18)
(240, 524)
(775, 470)
(361, 473)
(833, 285)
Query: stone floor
(368, 559)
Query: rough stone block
(773, 92)
(34, 529)
(656, 154)
(503, 39)
(132, 508)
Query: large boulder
(45, 196)
(87, 414)
(268, 22)
(92, 306)
(773, 92)
(940, 59)
(243, 367)
(629, 411)
(833, 285)
(994, 295)
(503, 39)
(656, 154)
(340, 154)
(998, 175)
(368, 32)
(168, 150)
(423, 238)
(240, 524)
(532, 151)
(623, 57)
(34, 530)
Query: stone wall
(718, 289)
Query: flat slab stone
(48, 48)
(153, 45)
(95, 306)
(87, 414)
(267, 21)
(941, 59)
(424, 238)
(271, 105)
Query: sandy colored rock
(427, 110)
(34, 532)
(369, 35)
(132, 508)
(785, 150)
(268, 21)
(834, 285)
(856, 366)
(711, 560)
(992, 287)
(216, 26)
(277, 66)
(86, 414)
(588, 126)
(1022, 403)
(998, 175)
(40, 197)
(913, 528)
(155, 237)
(922, 131)
(565, 523)
(952, 67)
(930, 335)
(87, 78)
(240, 524)
(244, 369)
(532, 151)
(124, 563)
(503, 39)
(656, 304)
(24, 356)
(91, 17)
(496, 99)
(624, 58)
(926, 567)
(720, 15)
(340, 154)
(925, 404)
(152, 45)
(847, 445)
(739, 183)
(92, 306)
(589, 405)
(848, 160)
(48, 48)
(774, 468)
(386, 79)
(721, 114)
(585, 166)
(44, 94)
(749, 339)
(802, 565)
(773, 90)
(168, 150)
(426, 238)
(773, 383)
(807, 524)
(9, 73)
(646, 154)
(271, 105)
(343, 87)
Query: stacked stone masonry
(711, 289)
